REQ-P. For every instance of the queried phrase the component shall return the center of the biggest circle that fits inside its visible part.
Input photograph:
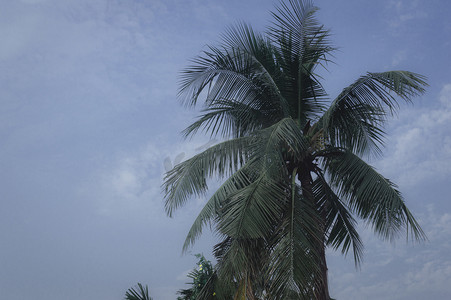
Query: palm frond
(294, 21)
(216, 289)
(303, 45)
(189, 178)
(251, 210)
(263, 54)
(283, 135)
(293, 264)
(236, 73)
(370, 195)
(212, 208)
(138, 293)
(230, 118)
(341, 228)
(356, 117)
(241, 259)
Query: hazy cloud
(401, 12)
(409, 271)
(420, 143)
(89, 114)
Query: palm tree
(291, 159)
(199, 278)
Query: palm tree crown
(291, 158)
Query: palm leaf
(356, 117)
(233, 74)
(230, 118)
(138, 293)
(190, 177)
(240, 260)
(340, 225)
(212, 208)
(251, 210)
(283, 135)
(373, 197)
(303, 45)
(293, 263)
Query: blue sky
(89, 114)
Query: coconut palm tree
(291, 159)
(199, 278)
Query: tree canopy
(291, 160)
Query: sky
(89, 115)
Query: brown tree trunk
(321, 291)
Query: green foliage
(291, 160)
(200, 277)
(138, 293)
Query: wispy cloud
(399, 57)
(417, 158)
(409, 271)
(132, 182)
(400, 12)
(420, 144)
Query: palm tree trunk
(324, 292)
(321, 291)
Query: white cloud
(401, 12)
(420, 145)
(132, 183)
(399, 57)
(445, 95)
(407, 271)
